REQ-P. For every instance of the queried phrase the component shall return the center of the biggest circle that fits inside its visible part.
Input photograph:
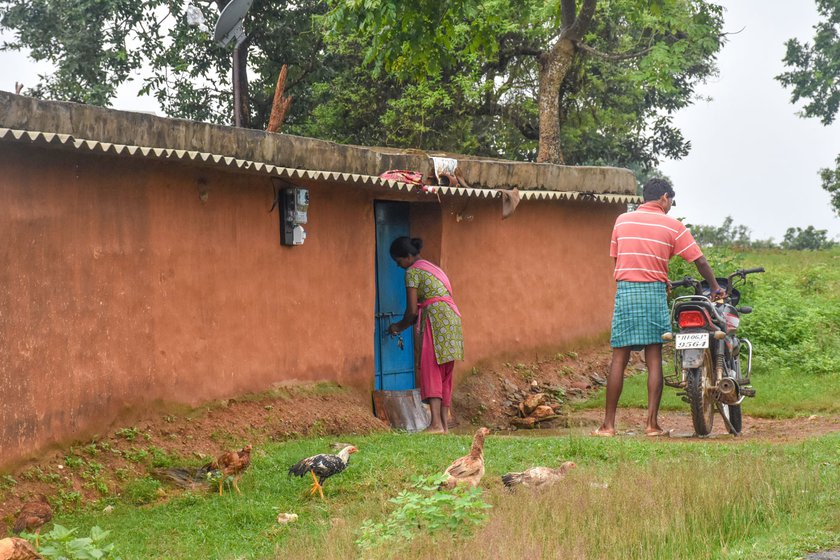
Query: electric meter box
(293, 215)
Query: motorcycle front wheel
(702, 403)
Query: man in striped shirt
(643, 242)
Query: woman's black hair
(405, 246)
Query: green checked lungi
(641, 314)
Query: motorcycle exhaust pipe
(727, 390)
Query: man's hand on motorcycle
(720, 293)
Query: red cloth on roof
(403, 176)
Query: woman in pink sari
(430, 306)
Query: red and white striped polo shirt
(645, 240)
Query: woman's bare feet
(434, 430)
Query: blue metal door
(394, 365)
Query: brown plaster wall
(122, 288)
(129, 284)
(427, 224)
(537, 280)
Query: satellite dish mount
(228, 28)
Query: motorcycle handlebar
(743, 274)
(688, 281)
(684, 282)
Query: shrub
(61, 543)
(429, 510)
(142, 490)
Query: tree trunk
(554, 65)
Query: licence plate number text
(684, 341)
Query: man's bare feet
(657, 432)
(434, 430)
(604, 432)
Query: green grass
(684, 499)
(629, 497)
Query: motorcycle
(707, 352)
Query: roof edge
(110, 126)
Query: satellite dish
(229, 26)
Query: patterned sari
(439, 327)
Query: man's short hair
(655, 188)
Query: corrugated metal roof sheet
(68, 141)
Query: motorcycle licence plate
(684, 341)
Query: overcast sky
(752, 158)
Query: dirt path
(485, 397)
(631, 422)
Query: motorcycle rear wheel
(702, 403)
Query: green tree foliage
(815, 67)
(628, 66)
(831, 183)
(480, 62)
(814, 77)
(730, 235)
(725, 235)
(97, 45)
(808, 239)
(91, 38)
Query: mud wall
(128, 283)
(538, 280)
(132, 284)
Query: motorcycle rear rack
(749, 356)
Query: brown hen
(468, 469)
(32, 516)
(231, 464)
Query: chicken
(32, 516)
(322, 467)
(231, 463)
(470, 468)
(17, 549)
(537, 477)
